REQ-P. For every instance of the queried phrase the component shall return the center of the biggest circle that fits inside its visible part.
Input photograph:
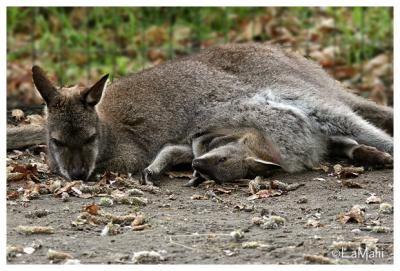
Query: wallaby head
(232, 161)
(73, 127)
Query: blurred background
(77, 45)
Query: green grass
(79, 42)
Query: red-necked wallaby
(292, 101)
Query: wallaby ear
(92, 95)
(259, 166)
(43, 84)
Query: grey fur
(218, 87)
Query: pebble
(386, 208)
(302, 200)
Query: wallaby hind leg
(343, 121)
(379, 115)
(168, 157)
(360, 154)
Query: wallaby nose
(78, 175)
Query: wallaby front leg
(168, 157)
(360, 154)
(196, 180)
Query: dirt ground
(186, 230)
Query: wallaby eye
(222, 159)
(91, 139)
(58, 143)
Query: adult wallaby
(122, 126)
(229, 154)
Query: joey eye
(90, 139)
(57, 142)
(222, 159)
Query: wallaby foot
(360, 154)
(372, 157)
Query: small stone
(148, 257)
(380, 229)
(386, 208)
(373, 199)
(104, 201)
(356, 231)
(257, 220)
(302, 200)
(135, 192)
(252, 244)
(273, 222)
(172, 197)
(237, 234)
(37, 213)
(64, 196)
(18, 114)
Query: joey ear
(92, 95)
(43, 84)
(259, 166)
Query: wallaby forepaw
(372, 157)
(194, 182)
(148, 177)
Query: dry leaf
(347, 172)
(35, 230)
(92, 209)
(351, 184)
(139, 220)
(356, 214)
(318, 259)
(12, 195)
(140, 227)
(58, 255)
(198, 197)
(67, 187)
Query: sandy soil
(197, 231)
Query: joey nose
(197, 164)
